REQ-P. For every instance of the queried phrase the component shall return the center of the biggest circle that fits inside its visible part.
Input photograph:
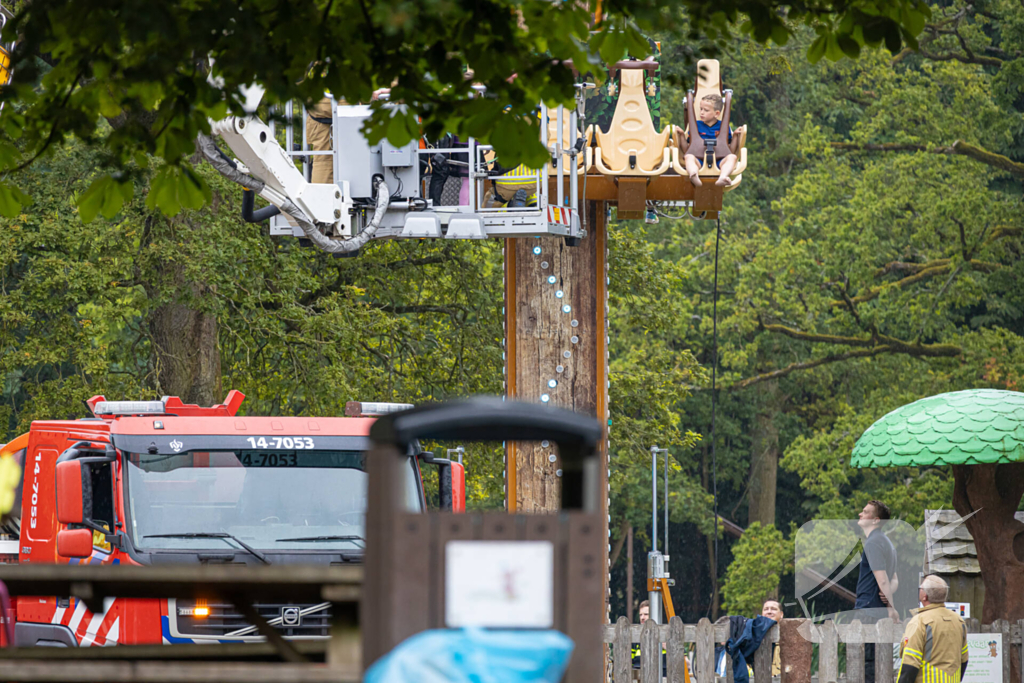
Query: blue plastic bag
(475, 656)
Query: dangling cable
(714, 392)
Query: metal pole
(654, 561)
(289, 130)
(654, 496)
(472, 174)
(560, 165)
(574, 193)
(542, 180)
(335, 157)
(656, 569)
(307, 166)
(666, 504)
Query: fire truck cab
(163, 482)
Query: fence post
(828, 653)
(883, 650)
(763, 659)
(855, 653)
(1003, 626)
(650, 653)
(795, 651)
(622, 650)
(1021, 650)
(704, 658)
(676, 651)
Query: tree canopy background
(872, 257)
(145, 66)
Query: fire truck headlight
(198, 612)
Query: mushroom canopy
(973, 427)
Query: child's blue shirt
(711, 132)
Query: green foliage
(145, 66)
(864, 262)
(105, 196)
(760, 559)
(12, 199)
(650, 379)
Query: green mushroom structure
(980, 434)
(975, 427)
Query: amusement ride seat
(709, 82)
(632, 147)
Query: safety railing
(304, 153)
(295, 127)
(480, 175)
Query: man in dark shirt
(877, 581)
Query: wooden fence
(675, 637)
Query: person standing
(877, 581)
(934, 645)
(645, 613)
(773, 610)
(319, 124)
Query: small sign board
(501, 584)
(985, 658)
(961, 608)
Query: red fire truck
(163, 482)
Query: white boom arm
(266, 169)
(253, 143)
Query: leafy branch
(876, 345)
(895, 345)
(959, 147)
(920, 272)
(950, 26)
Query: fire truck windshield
(273, 500)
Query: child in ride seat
(708, 126)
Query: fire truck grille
(225, 621)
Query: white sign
(985, 658)
(961, 608)
(499, 584)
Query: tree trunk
(990, 495)
(764, 458)
(712, 555)
(186, 354)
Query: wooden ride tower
(556, 296)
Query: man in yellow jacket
(934, 646)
